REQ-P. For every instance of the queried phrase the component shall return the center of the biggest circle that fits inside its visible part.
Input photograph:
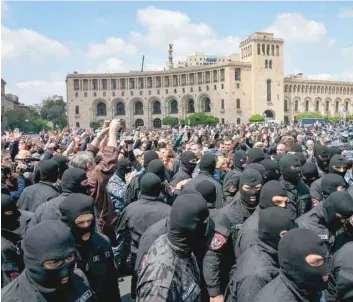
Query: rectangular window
(222, 86)
(76, 84)
(95, 84)
(104, 84)
(268, 90)
(113, 84)
(237, 75)
(238, 85)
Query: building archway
(77, 124)
(120, 108)
(101, 109)
(269, 114)
(138, 108)
(205, 104)
(174, 108)
(157, 123)
(139, 123)
(156, 107)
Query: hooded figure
(250, 187)
(322, 157)
(48, 242)
(77, 212)
(273, 194)
(239, 160)
(37, 194)
(255, 155)
(207, 168)
(9, 213)
(310, 173)
(188, 226)
(331, 183)
(341, 278)
(72, 181)
(328, 219)
(301, 157)
(187, 165)
(272, 170)
(338, 165)
(259, 265)
(298, 193)
(124, 167)
(61, 160)
(208, 191)
(300, 278)
(257, 167)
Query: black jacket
(35, 195)
(255, 268)
(220, 257)
(299, 200)
(132, 193)
(182, 174)
(315, 189)
(21, 290)
(281, 289)
(96, 260)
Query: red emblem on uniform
(217, 242)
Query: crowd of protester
(208, 213)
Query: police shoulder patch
(218, 241)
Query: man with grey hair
(99, 175)
(310, 149)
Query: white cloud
(166, 27)
(346, 13)
(101, 21)
(30, 44)
(112, 65)
(346, 75)
(33, 92)
(347, 51)
(111, 46)
(296, 28)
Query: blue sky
(43, 41)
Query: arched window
(277, 50)
(138, 108)
(191, 106)
(346, 106)
(317, 104)
(327, 106)
(268, 49)
(337, 106)
(258, 49)
(157, 123)
(139, 123)
(238, 103)
(101, 109)
(296, 105)
(77, 110)
(207, 105)
(263, 49)
(156, 107)
(306, 106)
(222, 104)
(120, 109)
(174, 106)
(238, 121)
(285, 105)
(268, 90)
(270, 64)
(266, 63)
(272, 50)
(77, 124)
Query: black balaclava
(188, 222)
(257, 167)
(72, 181)
(301, 157)
(255, 155)
(188, 160)
(293, 248)
(156, 166)
(330, 182)
(9, 222)
(240, 160)
(344, 278)
(310, 173)
(208, 191)
(49, 170)
(151, 185)
(251, 178)
(48, 240)
(339, 202)
(322, 157)
(272, 221)
(268, 191)
(334, 151)
(338, 161)
(208, 163)
(61, 160)
(74, 205)
(149, 156)
(272, 170)
(290, 168)
(124, 167)
(296, 148)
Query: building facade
(232, 89)
(8, 101)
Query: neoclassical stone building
(233, 88)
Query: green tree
(94, 125)
(170, 121)
(256, 118)
(201, 118)
(308, 115)
(54, 110)
(26, 119)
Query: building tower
(265, 53)
(170, 57)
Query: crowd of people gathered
(207, 213)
